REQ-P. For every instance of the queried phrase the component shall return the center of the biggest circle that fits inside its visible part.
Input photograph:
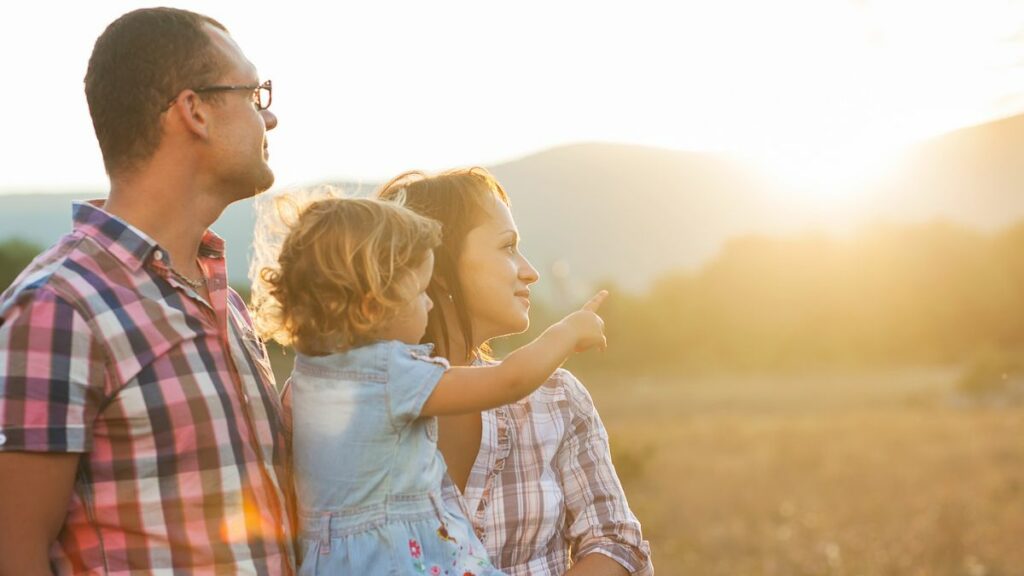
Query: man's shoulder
(73, 270)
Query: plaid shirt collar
(126, 242)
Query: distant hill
(43, 218)
(629, 213)
(974, 176)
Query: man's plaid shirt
(170, 401)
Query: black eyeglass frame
(257, 90)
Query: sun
(839, 169)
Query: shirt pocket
(431, 429)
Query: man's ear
(189, 111)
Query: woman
(535, 477)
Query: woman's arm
(599, 523)
(467, 389)
(597, 564)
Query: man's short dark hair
(140, 62)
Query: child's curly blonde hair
(344, 270)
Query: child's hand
(587, 326)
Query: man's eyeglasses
(262, 94)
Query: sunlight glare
(840, 99)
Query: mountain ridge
(627, 213)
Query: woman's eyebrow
(514, 233)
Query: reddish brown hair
(457, 199)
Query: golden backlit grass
(878, 473)
(872, 474)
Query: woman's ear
(444, 266)
(438, 282)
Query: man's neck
(170, 208)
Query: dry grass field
(871, 474)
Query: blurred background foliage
(887, 296)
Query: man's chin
(265, 183)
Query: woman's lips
(524, 295)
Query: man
(140, 430)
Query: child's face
(410, 323)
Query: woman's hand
(586, 326)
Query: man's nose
(269, 118)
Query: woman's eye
(511, 248)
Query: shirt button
(3, 438)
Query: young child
(349, 293)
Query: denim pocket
(431, 429)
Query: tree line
(888, 295)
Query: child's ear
(370, 308)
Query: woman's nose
(527, 273)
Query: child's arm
(465, 389)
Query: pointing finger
(594, 303)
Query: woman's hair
(344, 269)
(458, 200)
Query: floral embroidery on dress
(416, 551)
(435, 570)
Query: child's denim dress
(367, 469)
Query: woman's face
(495, 276)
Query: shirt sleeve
(52, 376)
(412, 377)
(598, 518)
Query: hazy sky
(366, 89)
